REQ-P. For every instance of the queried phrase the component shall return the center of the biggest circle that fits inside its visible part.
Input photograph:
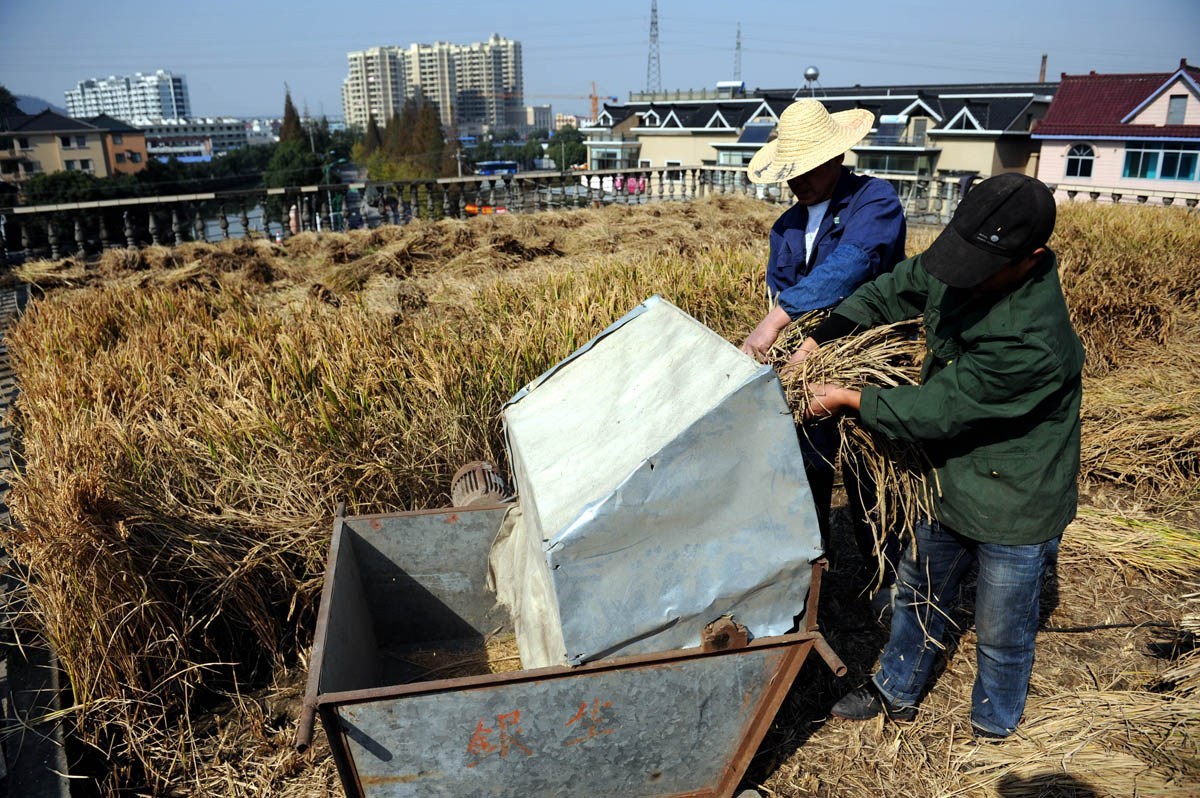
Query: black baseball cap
(1002, 219)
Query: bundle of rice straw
(890, 473)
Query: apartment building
(539, 117)
(376, 86)
(161, 95)
(476, 87)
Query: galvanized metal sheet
(651, 730)
(425, 573)
(659, 473)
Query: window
(120, 157)
(1166, 160)
(135, 157)
(889, 162)
(70, 166)
(673, 175)
(81, 141)
(1079, 160)
(117, 138)
(23, 143)
(86, 164)
(1178, 166)
(920, 125)
(1176, 109)
(1139, 163)
(65, 141)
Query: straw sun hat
(808, 137)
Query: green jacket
(997, 410)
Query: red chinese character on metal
(508, 730)
(592, 721)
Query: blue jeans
(1007, 605)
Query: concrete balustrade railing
(84, 229)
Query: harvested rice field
(190, 418)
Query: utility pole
(653, 65)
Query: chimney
(1042, 72)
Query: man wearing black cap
(997, 414)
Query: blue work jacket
(861, 236)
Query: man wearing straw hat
(997, 414)
(843, 230)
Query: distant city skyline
(237, 57)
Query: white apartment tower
(158, 96)
(376, 86)
(476, 87)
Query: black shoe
(865, 703)
(984, 735)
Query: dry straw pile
(190, 417)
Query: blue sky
(237, 56)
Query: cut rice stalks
(1147, 545)
(890, 474)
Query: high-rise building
(161, 96)
(476, 87)
(376, 86)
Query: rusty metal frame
(799, 645)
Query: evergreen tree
(8, 104)
(428, 142)
(290, 129)
(374, 139)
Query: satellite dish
(811, 74)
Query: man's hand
(830, 400)
(759, 342)
(800, 355)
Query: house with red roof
(1132, 137)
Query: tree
(531, 152)
(374, 139)
(567, 148)
(484, 151)
(293, 164)
(413, 146)
(8, 103)
(290, 129)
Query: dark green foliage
(567, 148)
(290, 129)
(293, 165)
(374, 138)
(8, 103)
(238, 169)
(413, 146)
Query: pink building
(1124, 137)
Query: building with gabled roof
(1115, 135)
(49, 142)
(920, 130)
(124, 145)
